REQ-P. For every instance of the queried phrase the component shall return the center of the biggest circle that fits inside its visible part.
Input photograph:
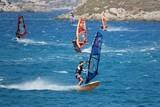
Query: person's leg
(80, 80)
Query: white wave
(86, 50)
(106, 50)
(119, 54)
(32, 42)
(24, 60)
(43, 31)
(61, 72)
(128, 88)
(147, 49)
(40, 84)
(117, 29)
(74, 25)
(1, 79)
(114, 51)
(60, 44)
(145, 75)
(153, 61)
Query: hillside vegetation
(36, 5)
(97, 6)
(119, 9)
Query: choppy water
(39, 70)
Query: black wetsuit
(78, 71)
(75, 46)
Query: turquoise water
(39, 70)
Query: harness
(78, 71)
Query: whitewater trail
(1, 78)
(117, 29)
(87, 50)
(61, 72)
(31, 42)
(105, 49)
(39, 84)
(120, 52)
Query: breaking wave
(31, 42)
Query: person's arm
(85, 63)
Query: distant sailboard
(72, 19)
(21, 28)
(93, 64)
(81, 35)
(104, 22)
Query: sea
(39, 70)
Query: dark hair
(81, 62)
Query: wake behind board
(89, 86)
(75, 46)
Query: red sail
(104, 22)
(81, 33)
(21, 28)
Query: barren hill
(119, 9)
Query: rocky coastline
(35, 5)
(118, 14)
(119, 10)
(91, 9)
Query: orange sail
(81, 33)
(104, 22)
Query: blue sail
(94, 57)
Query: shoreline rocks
(36, 5)
(119, 14)
(118, 10)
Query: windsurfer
(104, 20)
(20, 34)
(81, 35)
(82, 32)
(72, 17)
(78, 72)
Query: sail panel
(21, 27)
(81, 33)
(94, 57)
(104, 22)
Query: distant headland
(36, 5)
(148, 10)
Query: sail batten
(94, 58)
